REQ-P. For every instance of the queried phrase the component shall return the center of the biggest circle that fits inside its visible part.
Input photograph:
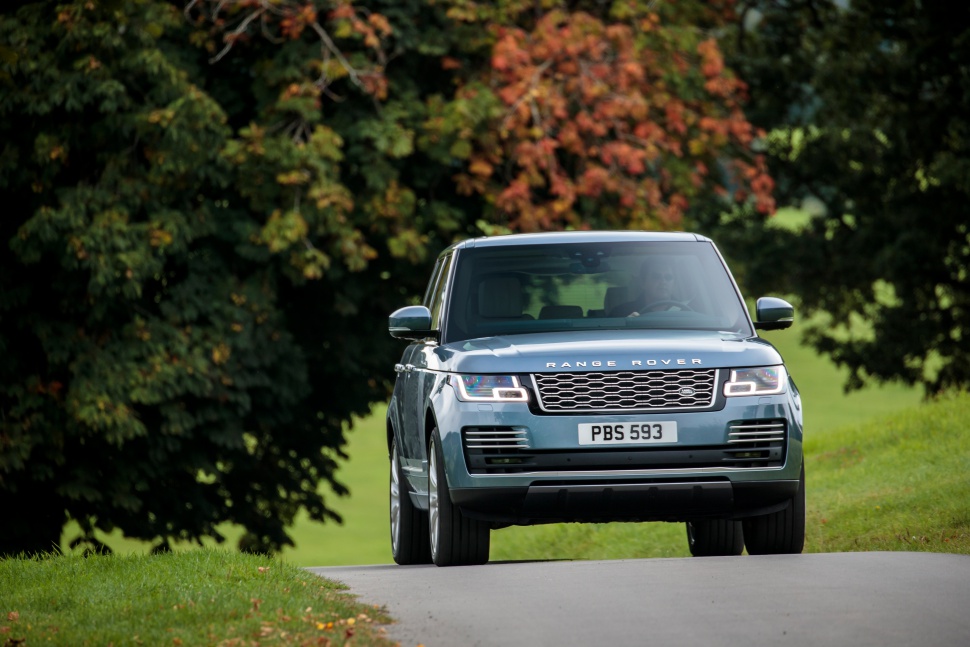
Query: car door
(418, 378)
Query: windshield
(629, 285)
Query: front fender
(444, 415)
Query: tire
(712, 537)
(409, 525)
(781, 532)
(455, 539)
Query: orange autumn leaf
(590, 112)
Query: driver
(657, 281)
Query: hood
(604, 350)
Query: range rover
(591, 377)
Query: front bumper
(552, 478)
(648, 500)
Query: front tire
(409, 524)
(781, 532)
(713, 537)
(456, 540)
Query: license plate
(624, 433)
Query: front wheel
(781, 532)
(456, 540)
(711, 537)
(409, 524)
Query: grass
(202, 597)
(896, 483)
(364, 537)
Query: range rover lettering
(591, 377)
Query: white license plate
(625, 433)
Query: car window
(538, 288)
(437, 295)
(432, 283)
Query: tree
(172, 358)
(866, 107)
(214, 204)
(599, 115)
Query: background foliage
(601, 114)
(865, 103)
(153, 377)
(211, 207)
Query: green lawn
(202, 597)
(900, 482)
(364, 537)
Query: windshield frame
(470, 264)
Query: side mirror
(773, 314)
(411, 322)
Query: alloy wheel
(395, 500)
(433, 510)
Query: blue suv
(591, 377)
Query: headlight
(491, 388)
(764, 380)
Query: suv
(591, 377)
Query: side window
(429, 291)
(437, 295)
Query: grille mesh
(756, 431)
(756, 443)
(495, 438)
(626, 390)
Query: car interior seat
(500, 297)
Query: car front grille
(626, 390)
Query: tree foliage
(212, 206)
(614, 115)
(866, 104)
(170, 352)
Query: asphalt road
(816, 600)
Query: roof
(558, 237)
